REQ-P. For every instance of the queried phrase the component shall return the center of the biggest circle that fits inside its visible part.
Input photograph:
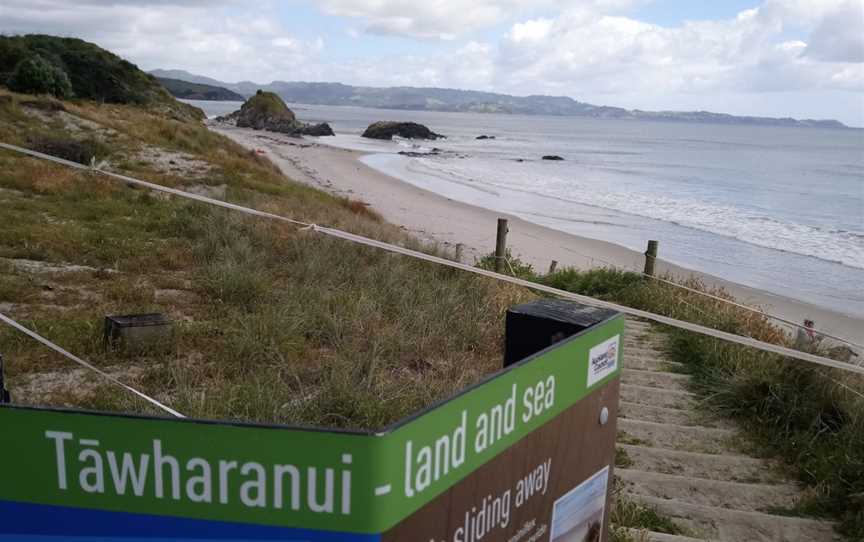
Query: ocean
(778, 209)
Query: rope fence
(358, 239)
(32, 334)
(759, 311)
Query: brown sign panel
(550, 486)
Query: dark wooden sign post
(525, 455)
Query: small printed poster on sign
(603, 359)
(578, 515)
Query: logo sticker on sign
(603, 359)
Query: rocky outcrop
(317, 130)
(407, 130)
(230, 118)
(415, 154)
(267, 111)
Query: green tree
(35, 75)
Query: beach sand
(439, 219)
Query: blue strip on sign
(46, 523)
(49, 538)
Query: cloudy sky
(802, 58)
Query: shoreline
(439, 219)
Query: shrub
(35, 75)
(512, 266)
(83, 151)
(11, 53)
(68, 67)
(599, 283)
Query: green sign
(343, 482)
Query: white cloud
(531, 30)
(437, 19)
(448, 19)
(470, 66)
(584, 50)
(839, 36)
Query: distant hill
(198, 91)
(183, 75)
(73, 68)
(444, 99)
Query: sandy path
(433, 217)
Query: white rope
(722, 299)
(754, 310)
(845, 386)
(90, 366)
(152, 186)
(696, 328)
(746, 341)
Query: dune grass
(273, 324)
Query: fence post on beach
(552, 267)
(650, 257)
(501, 245)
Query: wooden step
(706, 440)
(635, 321)
(731, 468)
(651, 363)
(645, 395)
(738, 526)
(705, 492)
(654, 379)
(642, 535)
(649, 413)
(637, 339)
(641, 349)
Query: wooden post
(458, 255)
(650, 258)
(552, 267)
(501, 245)
(4, 393)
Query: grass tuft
(83, 151)
(628, 514)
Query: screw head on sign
(604, 416)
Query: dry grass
(273, 324)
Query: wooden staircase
(687, 465)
